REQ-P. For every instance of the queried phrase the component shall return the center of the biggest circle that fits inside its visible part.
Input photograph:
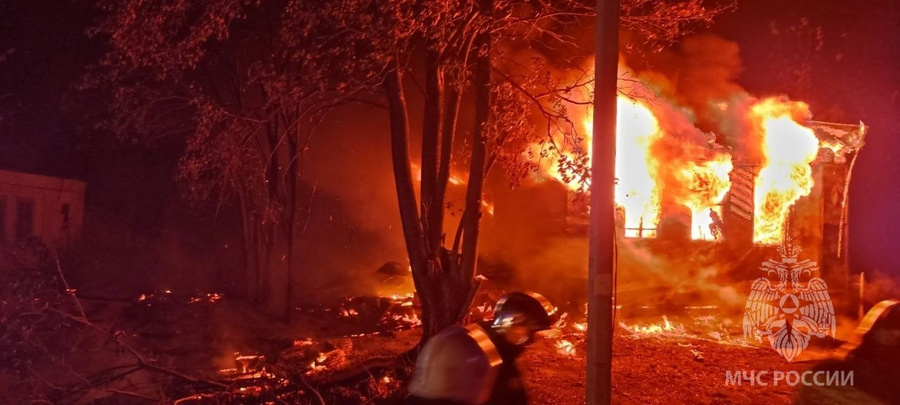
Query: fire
(665, 328)
(788, 149)
(637, 189)
(700, 186)
(488, 207)
(565, 347)
(836, 147)
(454, 179)
(664, 165)
(650, 161)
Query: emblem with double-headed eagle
(788, 312)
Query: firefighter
(476, 364)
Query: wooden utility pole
(603, 224)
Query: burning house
(696, 205)
(818, 219)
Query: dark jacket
(509, 388)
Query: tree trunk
(290, 185)
(436, 214)
(406, 197)
(443, 277)
(248, 291)
(471, 218)
(431, 202)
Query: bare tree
(232, 83)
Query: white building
(47, 207)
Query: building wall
(47, 207)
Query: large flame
(647, 163)
(707, 183)
(785, 175)
(637, 190)
(663, 164)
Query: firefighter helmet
(523, 309)
(458, 364)
(877, 339)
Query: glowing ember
(835, 146)
(314, 368)
(665, 328)
(303, 343)
(788, 148)
(488, 207)
(452, 178)
(565, 347)
(349, 313)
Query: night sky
(43, 50)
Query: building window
(24, 218)
(2, 219)
(65, 216)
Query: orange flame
(660, 163)
(637, 189)
(788, 149)
(454, 179)
(665, 328)
(645, 165)
(565, 347)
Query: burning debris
(565, 347)
(166, 295)
(665, 328)
(363, 315)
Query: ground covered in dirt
(66, 346)
(659, 370)
(670, 365)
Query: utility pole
(603, 224)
